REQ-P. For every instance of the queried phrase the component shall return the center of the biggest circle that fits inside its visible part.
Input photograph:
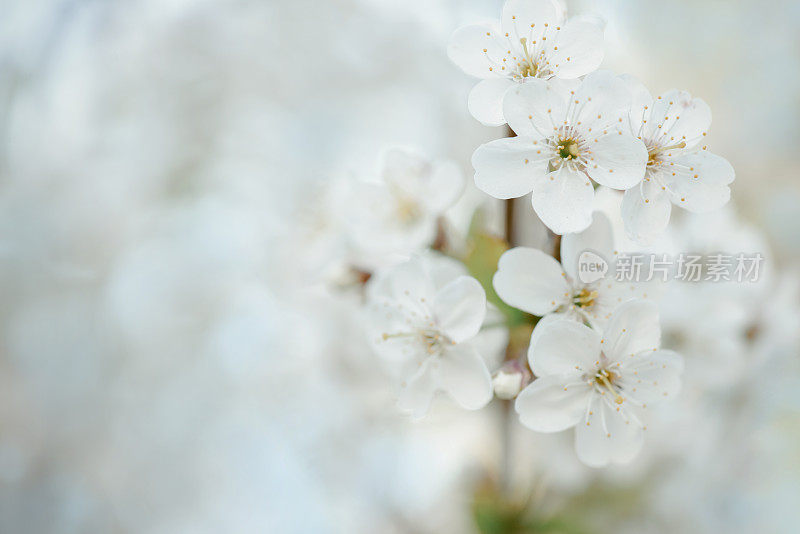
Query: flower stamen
(605, 379)
(654, 152)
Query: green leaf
(483, 253)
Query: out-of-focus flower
(533, 40)
(568, 132)
(395, 215)
(680, 170)
(424, 315)
(537, 283)
(602, 384)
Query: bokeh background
(166, 363)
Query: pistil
(602, 378)
(658, 150)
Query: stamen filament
(659, 150)
(602, 376)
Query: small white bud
(510, 379)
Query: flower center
(652, 154)
(568, 149)
(605, 379)
(584, 298)
(527, 67)
(432, 340)
(408, 211)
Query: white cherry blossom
(533, 40)
(680, 169)
(424, 317)
(567, 132)
(600, 384)
(395, 215)
(537, 283)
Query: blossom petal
(618, 160)
(417, 392)
(444, 187)
(434, 185)
(605, 435)
(508, 168)
(530, 280)
(485, 101)
(641, 103)
(553, 403)
(400, 165)
(533, 108)
(459, 308)
(407, 285)
(633, 328)
(676, 117)
(479, 50)
(442, 269)
(527, 18)
(698, 182)
(601, 100)
(564, 347)
(579, 48)
(464, 376)
(598, 238)
(657, 375)
(645, 211)
(563, 201)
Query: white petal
(443, 187)
(676, 117)
(533, 108)
(485, 101)
(618, 160)
(633, 328)
(541, 325)
(479, 50)
(563, 201)
(564, 347)
(401, 165)
(606, 435)
(645, 211)
(698, 182)
(657, 376)
(407, 284)
(442, 269)
(519, 15)
(508, 168)
(434, 185)
(580, 48)
(459, 308)
(612, 293)
(553, 403)
(598, 238)
(641, 103)
(602, 99)
(530, 280)
(464, 376)
(417, 392)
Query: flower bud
(509, 380)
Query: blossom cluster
(594, 358)
(595, 349)
(576, 126)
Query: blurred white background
(166, 366)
